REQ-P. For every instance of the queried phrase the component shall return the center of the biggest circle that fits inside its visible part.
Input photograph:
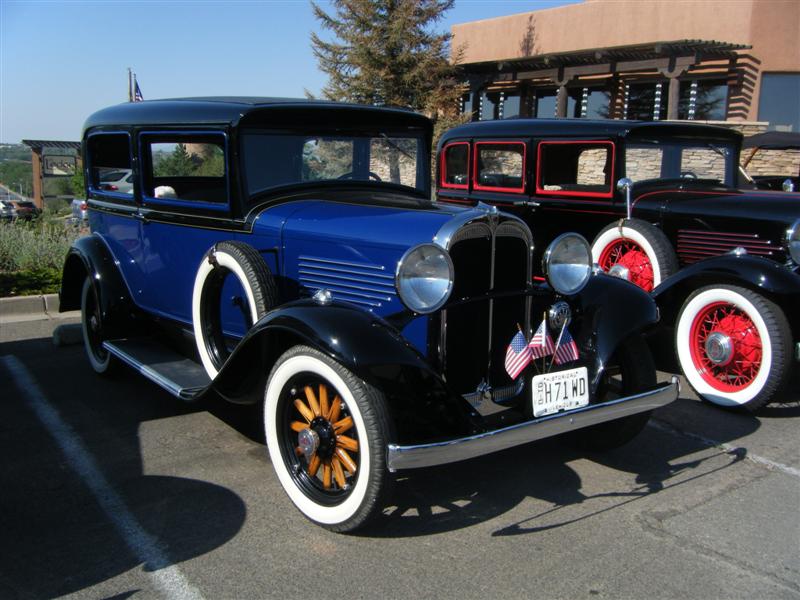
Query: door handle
(531, 203)
(140, 217)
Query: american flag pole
(533, 362)
(544, 342)
(558, 341)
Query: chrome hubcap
(308, 440)
(719, 348)
(620, 271)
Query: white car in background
(118, 180)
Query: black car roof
(227, 110)
(773, 140)
(523, 127)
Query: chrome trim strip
(439, 453)
(312, 265)
(179, 392)
(332, 285)
(343, 262)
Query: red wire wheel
(628, 255)
(726, 347)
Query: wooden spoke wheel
(327, 432)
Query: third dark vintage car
(661, 204)
(772, 161)
(288, 253)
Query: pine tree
(384, 52)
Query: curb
(20, 306)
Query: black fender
(422, 406)
(608, 311)
(90, 257)
(768, 278)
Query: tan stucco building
(734, 60)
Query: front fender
(90, 257)
(419, 400)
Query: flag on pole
(518, 355)
(137, 93)
(541, 343)
(567, 350)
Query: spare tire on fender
(260, 291)
(637, 251)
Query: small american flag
(518, 355)
(137, 93)
(541, 343)
(567, 350)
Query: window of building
(705, 100)
(545, 103)
(500, 166)
(779, 101)
(110, 164)
(575, 168)
(646, 101)
(455, 166)
(188, 167)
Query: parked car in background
(80, 209)
(773, 142)
(7, 211)
(116, 180)
(660, 202)
(288, 252)
(26, 209)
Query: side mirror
(625, 185)
(788, 185)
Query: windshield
(671, 159)
(273, 160)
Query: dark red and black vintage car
(660, 202)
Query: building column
(673, 98)
(561, 102)
(38, 192)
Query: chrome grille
(360, 283)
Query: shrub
(38, 245)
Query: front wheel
(734, 346)
(327, 433)
(630, 371)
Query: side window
(704, 163)
(187, 167)
(109, 159)
(500, 166)
(325, 159)
(575, 169)
(454, 167)
(643, 162)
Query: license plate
(562, 390)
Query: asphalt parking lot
(112, 488)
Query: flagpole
(130, 86)
(558, 341)
(544, 342)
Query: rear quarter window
(109, 159)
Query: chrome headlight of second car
(793, 242)
(424, 278)
(567, 263)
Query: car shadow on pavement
(463, 494)
(58, 537)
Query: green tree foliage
(177, 164)
(17, 175)
(385, 52)
(204, 160)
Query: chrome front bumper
(439, 453)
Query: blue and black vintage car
(288, 252)
(660, 202)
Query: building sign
(58, 166)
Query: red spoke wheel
(636, 251)
(327, 432)
(734, 346)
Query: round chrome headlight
(567, 263)
(793, 242)
(424, 278)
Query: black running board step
(180, 376)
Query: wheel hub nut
(719, 348)
(308, 440)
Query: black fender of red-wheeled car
(422, 407)
(90, 257)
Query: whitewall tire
(733, 346)
(340, 482)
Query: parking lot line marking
(167, 578)
(770, 464)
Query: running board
(181, 377)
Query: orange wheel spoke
(326, 476)
(304, 410)
(313, 466)
(348, 462)
(338, 473)
(324, 406)
(298, 426)
(312, 401)
(347, 442)
(343, 425)
(336, 408)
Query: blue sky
(62, 60)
